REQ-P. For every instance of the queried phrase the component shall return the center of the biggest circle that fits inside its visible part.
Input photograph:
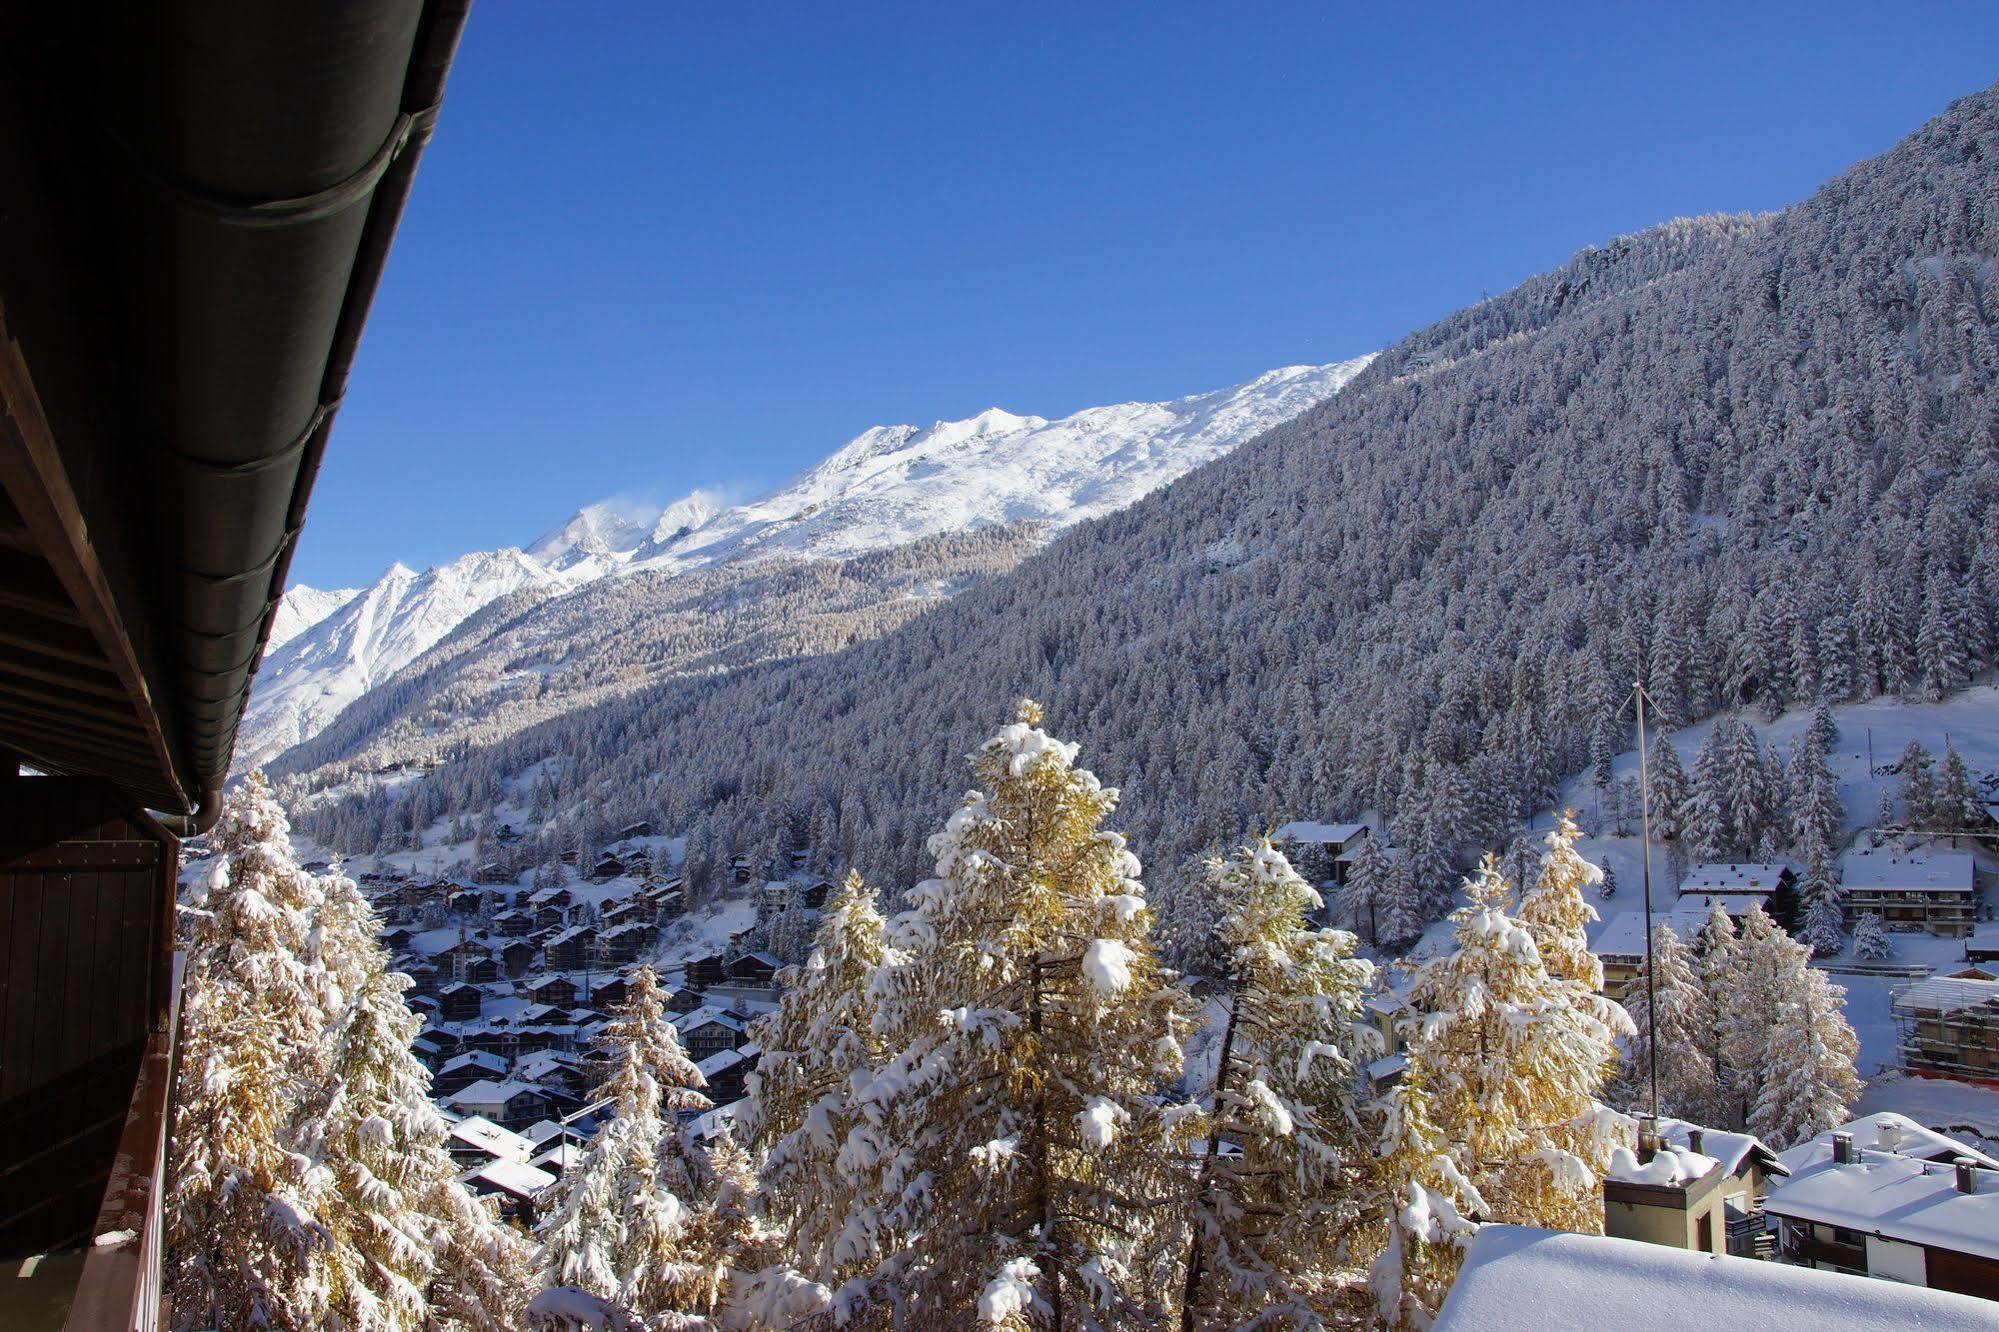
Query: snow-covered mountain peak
(886, 487)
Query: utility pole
(1645, 876)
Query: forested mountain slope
(1748, 460)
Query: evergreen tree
(1717, 961)
(1870, 942)
(622, 1220)
(1369, 881)
(1824, 730)
(1823, 927)
(1022, 1134)
(1513, 1058)
(1917, 788)
(1269, 1215)
(1670, 793)
(1807, 1079)
(819, 1047)
(1709, 816)
(1817, 814)
(244, 1242)
(1956, 801)
(1399, 915)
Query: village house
(511, 1105)
(459, 1002)
(397, 938)
(1748, 1168)
(1886, 1131)
(726, 1072)
(1322, 852)
(1937, 892)
(1949, 1025)
(516, 1184)
(424, 978)
(456, 961)
(482, 970)
(608, 866)
(516, 956)
(708, 1031)
(706, 970)
(642, 828)
(474, 1140)
(1849, 1208)
(513, 924)
(623, 943)
(569, 950)
(461, 1071)
(551, 989)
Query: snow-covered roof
(477, 1131)
(475, 1059)
(1519, 1279)
(720, 1060)
(1623, 934)
(542, 1130)
(1308, 830)
(704, 1015)
(1903, 1135)
(573, 932)
(1897, 1197)
(558, 1158)
(1733, 878)
(515, 1177)
(1695, 906)
(1879, 870)
(1948, 994)
(492, 1093)
(1725, 1146)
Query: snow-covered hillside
(891, 486)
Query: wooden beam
(38, 484)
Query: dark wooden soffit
(73, 699)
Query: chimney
(1967, 1175)
(1695, 1139)
(1891, 1136)
(1842, 1149)
(1648, 1138)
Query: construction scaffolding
(1950, 1026)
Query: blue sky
(660, 246)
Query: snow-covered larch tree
(1870, 942)
(819, 1047)
(1426, 1204)
(1274, 1196)
(245, 1247)
(1032, 1028)
(620, 1226)
(1822, 923)
(1513, 1058)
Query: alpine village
(1499, 831)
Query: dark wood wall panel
(85, 909)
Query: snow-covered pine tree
(1670, 793)
(1817, 815)
(1956, 800)
(1269, 1215)
(1513, 1058)
(1871, 942)
(244, 1245)
(1399, 908)
(1366, 889)
(1717, 958)
(1708, 821)
(1807, 1079)
(1824, 729)
(1426, 1204)
(1033, 1028)
(818, 1047)
(620, 1226)
(1822, 923)
(1917, 788)
(1672, 1021)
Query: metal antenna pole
(1645, 876)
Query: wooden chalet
(570, 949)
(198, 204)
(513, 924)
(516, 956)
(460, 1001)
